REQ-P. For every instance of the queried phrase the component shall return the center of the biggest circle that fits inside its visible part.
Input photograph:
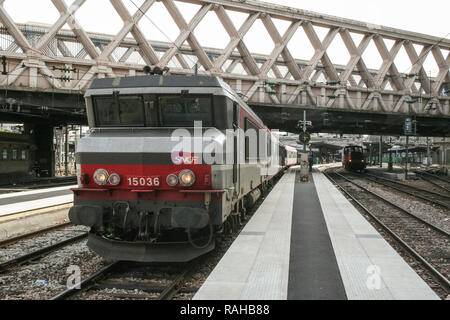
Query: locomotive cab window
(183, 111)
(349, 150)
(119, 111)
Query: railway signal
(305, 138)
(304, 125)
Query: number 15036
(144, 181)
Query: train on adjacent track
(17, 156)
(170, 163)
(353, 158)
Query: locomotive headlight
(114, 179)
(187, 178)
(101, 177)
(172, 180)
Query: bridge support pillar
(390, 165)
(380, 152)
(45, 156)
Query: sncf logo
(179, 158)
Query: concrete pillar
(380, 152)
(407, 159)
(391, 165)
(66, 151)
(445, 162)
(45, 157)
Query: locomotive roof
(156, 81)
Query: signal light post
(303, 125)
(408, 132)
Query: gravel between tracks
(48, 276)
(29, 245)
(431, 213)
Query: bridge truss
(66, 59)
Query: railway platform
(12, 203)
(308, 242)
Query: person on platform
(311, 162)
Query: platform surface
(17, 202)
(307, 242)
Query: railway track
(32, 256)
(427, 243)
(154, 290)
(104, 279)
(9, 241)
(441, 183)
(118, 280)
(432, 197)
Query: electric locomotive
(353, 158)
(170, 162)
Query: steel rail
(434, 227)
(9, 241)
(172, 289)
(85, 284)
(433, 175)
(414, 194)
(407, 186)
(39, 253)
(440, 277)
(430, 180)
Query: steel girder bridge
(57, 60)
